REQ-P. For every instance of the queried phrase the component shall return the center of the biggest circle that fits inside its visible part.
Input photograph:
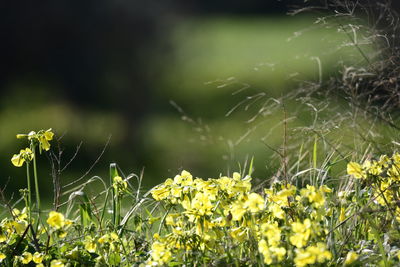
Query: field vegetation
(331, 197)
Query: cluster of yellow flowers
(221, 221)
(218, 216)
(26, 155)
(106, 248)
(12, 230)
(120, 185)
(383, 176)
(109, 247)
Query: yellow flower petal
(48, 134)
(17, 160)
(37, 257)
(56, 219)
(350, 258)
(355, 169)
(26, 257)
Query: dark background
(90, 69)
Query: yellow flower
(356, 170)
(201, 204)
(56, 219)
(375, 168)
(114, 237)
(271, 252)
(314, 196)
(42, 137)
(239, 234)
(62, 234)
(119, 184)
(103, 239)
(272, 232)
(312, 255)
(19, 226)
(240, 187)
(24, 155)
(276, 210)
(185, 179)
(186, 203)
(26, 257)
(90, 244)
(20, 215)
(342, 215)
(321, 252)
(279, 252)
(160, 253)
(17, 160)
(254, 203)
(48, 134)
(29, 135)
(2, 256)
(350, 258)
(220, 221)
(237, 211)
(176, 191)
(263, 248)
(224, 183)
(160, 192)
(394, 172)
(302, 232)
(236, 176)
(37, 257)
(56, 263)
(3, 237)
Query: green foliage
(309, 212)
(225, 220)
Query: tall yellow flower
(24, 155)
(45, 138)
(42, 137)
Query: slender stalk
(117, 208)
(112, 173)
(29, 199)
(33, 148)
(104, 208)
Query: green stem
(36, 180)
(29, 199)
(113, 173)
(117, 207)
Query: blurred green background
(159, 78)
